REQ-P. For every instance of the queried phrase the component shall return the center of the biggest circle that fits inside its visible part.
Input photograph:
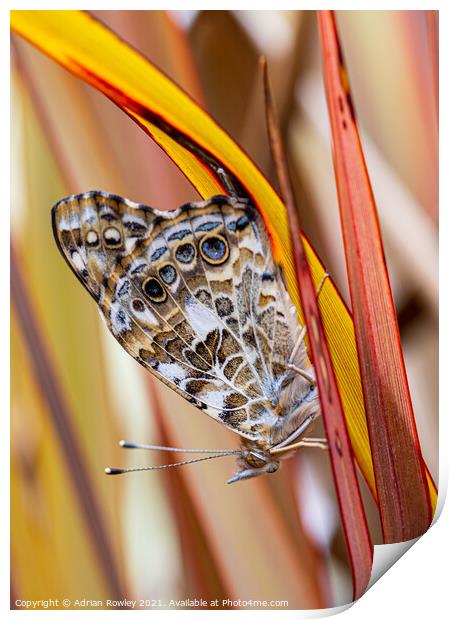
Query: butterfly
(195, 296)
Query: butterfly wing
(192, 294)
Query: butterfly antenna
(140, 446)
(114, 471)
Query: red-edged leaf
(399, 471)
(351, 508)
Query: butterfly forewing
(192, 294)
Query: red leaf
(398, 465)
(351, 508)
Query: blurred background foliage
(183, 533)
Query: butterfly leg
(300, 340)
(314, 442)
(306, 442)
(227, 182)
(224, 177)
(321, 284)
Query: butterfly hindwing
(192, 294)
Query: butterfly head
(255, 462)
